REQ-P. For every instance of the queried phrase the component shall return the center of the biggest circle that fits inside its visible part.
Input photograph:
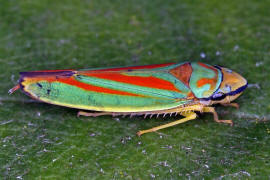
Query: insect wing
(132, 90)
(129, 89)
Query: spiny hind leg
(213, 111)
(188, 116)
(95, 114)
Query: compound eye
(217, 95)
(227, 88)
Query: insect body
(172, 88)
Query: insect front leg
(188, 116)
(213, 111)
(236, 105)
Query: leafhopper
(163, 89)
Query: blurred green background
(49, 142)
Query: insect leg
(83, 113)
(232, 105)
(213, 111)
(188, 116)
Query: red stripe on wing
(71, 81)
(151, 82)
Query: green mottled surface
(49, 142)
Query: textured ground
(45, 141)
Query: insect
(163, 89)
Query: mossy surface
(51, 142)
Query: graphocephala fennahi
(172, 88)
